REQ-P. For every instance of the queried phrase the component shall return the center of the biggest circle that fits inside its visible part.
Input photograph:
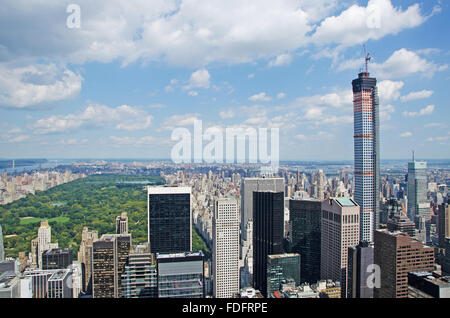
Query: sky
(119, 83)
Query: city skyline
(73, 98)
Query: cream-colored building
(339, 231)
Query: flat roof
(345, 202)
(168, 190)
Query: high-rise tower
(226, 248)
(367, 152)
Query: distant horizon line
(167, 159)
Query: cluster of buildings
(16, 187)
(276, 236)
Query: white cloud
(340, 99)
(192, 93)
(389, 90)
(261, 97)
(146, 140)
(281, 60)
(199, 79)
(227, 114)
(251, 75)
(403, 63)
(186, 120)
(320, 136)
(406, 134)
(94, 116)
(281, 95)
(417, 95)
(440, 138)
(358, 24)
(27, 86)
(386, 111)
(424, 111)
(20, 138)
(435, 125)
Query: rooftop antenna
(367, 58)
(413, 155)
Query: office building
(122, 224)
(56, 258)
(44, 241)
(39, 279)
(396, 254)
(367, 152)
(9, 285)
(282, 267)
(359, 270)
(268, 226)
(85, 258)
(9, 266)
(140, 279)
(339, 231)
(2, 247)
(304, 228)
(169, 219)
(428, 285)
(225, 261)
(443, 224)
(418, 205)
(109, 258)
(248, 186)
(403, 224)
(59, 285)
(181, 275)
(77, 279)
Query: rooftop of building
(442, 281)
(59, 274)
(345, 202)
(58, 250)
(7, 279)
(168, 190)
(178, 255)
(283, 255)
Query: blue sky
(117, 86)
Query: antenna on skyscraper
(367, 58)
(413, 155)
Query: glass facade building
(140, 279)
(268, 229)
(169, 219)
(305, 218)
(181, 275)
(282, 267)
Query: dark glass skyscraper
(282, 267)
(367, 153)
(56, 258)
(169, 219)
(268, 218)
(304, 219)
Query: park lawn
(58, 219)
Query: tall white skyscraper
(225, 248)
(367, 152)
(44, 241)
(2, 248)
